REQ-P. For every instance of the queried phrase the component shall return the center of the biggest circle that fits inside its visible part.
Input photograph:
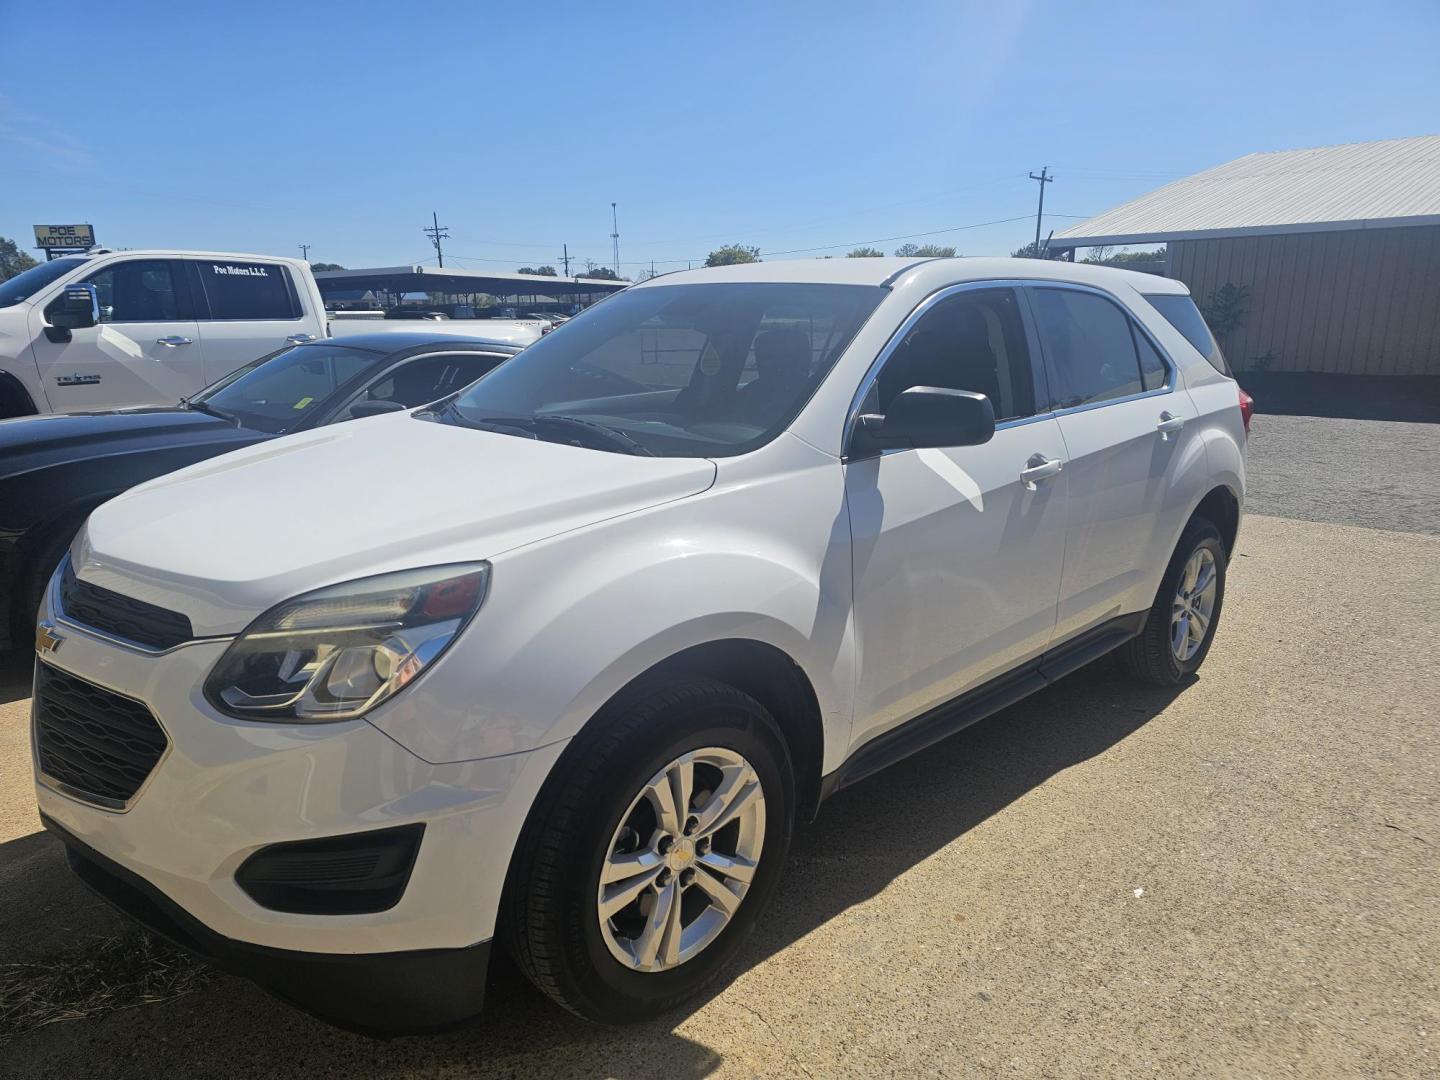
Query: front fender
(570, 621)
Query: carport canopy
(396, 281)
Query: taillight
(1247, 410)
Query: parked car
(558, 661)
(54, 470)
(116, 328)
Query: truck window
(141, 290)
(246, 290)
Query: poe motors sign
(62, 239)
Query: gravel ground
(1237, 879)
(1381, 474)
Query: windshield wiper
(617, 437)
(210, 410)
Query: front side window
(1089, 347)
(276, 394)
(973, 340)
(246, 290)
(138, 291)
(706, 370)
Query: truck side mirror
(927, 416)
(77, 308)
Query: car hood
(228, 538)
(33, 442)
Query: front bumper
(378, 994)
(224, 789)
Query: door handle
(1038, 468)
(1169, 424)
(173, 341)
(300, 339)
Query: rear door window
(238, 290)
(1153, 370)
(1089, 348)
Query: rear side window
(1152, 365)
(1181, 313)
(1089, 348)
(246, 290)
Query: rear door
(247, 308)
(143, 352)
(1123, 415)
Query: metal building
(1335, 251)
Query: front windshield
(23, 286)
(703, 370)
(275, 393)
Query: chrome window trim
(1172, 370)
(916, 314)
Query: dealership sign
(65, 237)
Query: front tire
(1181, 624)
(651, 851)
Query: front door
(957, 552)
(145, 351)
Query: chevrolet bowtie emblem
(46, 639)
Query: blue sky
(803, 127)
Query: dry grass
(106, 975)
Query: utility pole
(565, 258)
(305, 252)
(437, 232)
(615, 237)
(1044, 178)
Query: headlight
(336, 653)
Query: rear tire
(1167, 651)
(553, 923)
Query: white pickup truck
(116, 328)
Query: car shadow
(16, 672)
(864, 838)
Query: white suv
(560, 660)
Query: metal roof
(1369, 185)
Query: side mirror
(927, 416)
(362, 409)
(77, 308)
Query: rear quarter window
(1181, 313)
(246, 290)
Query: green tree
(865, 253)
(1225, 310)
(924, 251)
(1107, 256)
(731, 254)
(12, 260)
(604, 273)
(1030, 251)
(326, 266)
(542, 271)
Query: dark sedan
(54, 470)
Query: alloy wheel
(1194, 605)
(682, 859)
